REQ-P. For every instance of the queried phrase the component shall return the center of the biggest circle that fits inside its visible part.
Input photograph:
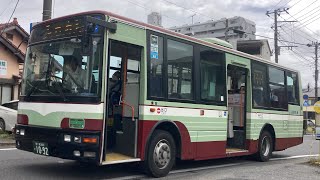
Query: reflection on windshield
(58, 68)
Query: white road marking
(294, 157)
(205, 168)
(8, 149)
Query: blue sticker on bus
(154, 47)
(154, 55)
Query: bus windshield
(58, 68)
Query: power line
(302, 58)
(277, 4)
(188, 9)
(305, 7)
(309, 20)
(282, 27)
(5, 9)
(306, 27)
(285, 4)
(309, 23)
(316, 8)
(294, 4)
(273, 39)
(14, 10)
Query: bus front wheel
(265, 147)
(161, 154)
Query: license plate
(41, 148)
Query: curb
(7, 144)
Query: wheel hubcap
(265, 146)
(162, 154)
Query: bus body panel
(52, 114)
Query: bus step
(115, 158)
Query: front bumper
(54, 137)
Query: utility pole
(316, 72)
(276, 48)
(277, 13)
(47, 10)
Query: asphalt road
(289, 164)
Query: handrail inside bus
(132, 108)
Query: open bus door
(123, 102)
(237, 109)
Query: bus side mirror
(91, 27)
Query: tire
(2, 125)
(265, 147)
(161, 154)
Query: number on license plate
(41, 148)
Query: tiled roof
(15, 24)
(13, 48)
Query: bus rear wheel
(161, 154)
(265, 147)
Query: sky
(179, 12)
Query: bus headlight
(67, 138)
(22, 132)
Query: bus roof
(219, 45)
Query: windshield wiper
(35, 85)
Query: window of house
(180, 60)
(9, 36)
(6, 93)
(212, 72)
(156, 76)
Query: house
(13, 45)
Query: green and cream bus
(98, 87)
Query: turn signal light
(90, 140)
